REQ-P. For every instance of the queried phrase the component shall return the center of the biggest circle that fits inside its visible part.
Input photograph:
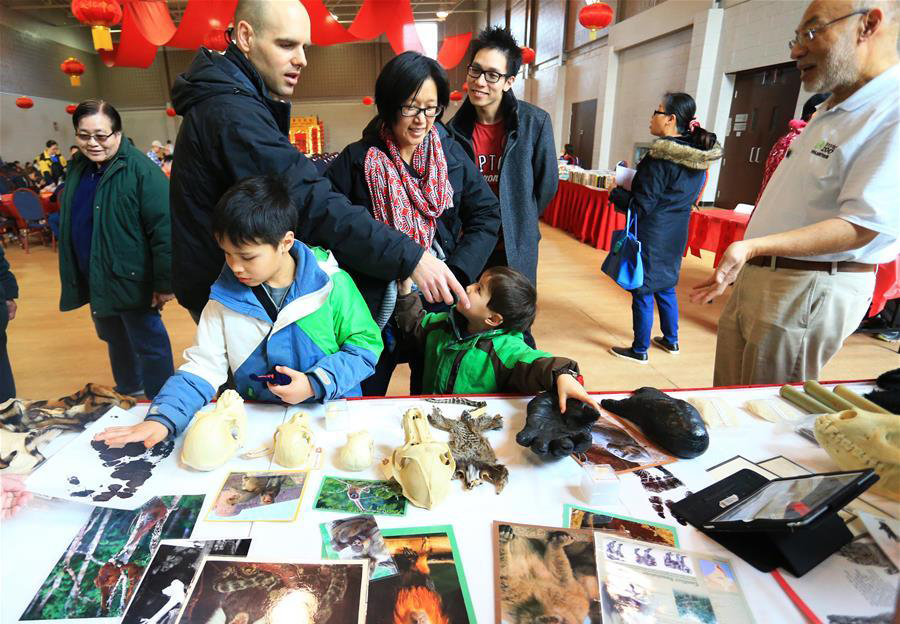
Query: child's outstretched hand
(569, 388)
(295, 392)
(13, 495)
(149, 432)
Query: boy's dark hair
(400, 80)
(513, 297)
(499, 38)
(51, 143)
(256, 210)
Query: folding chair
(29, 214)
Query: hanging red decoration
(73, 68)
(453, 49)
(71, 109)
(456, 96)
(528, 55)
(171, 112)
(24, 102)
(99, 15)
(368, 101)
(595, 16)
(465, 86)
(216, 39)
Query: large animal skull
(216, 435)
(857, 439)
(422, 466)
(293, 441)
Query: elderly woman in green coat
(115, 248)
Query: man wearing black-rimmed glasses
(512, 144)
(805, 271)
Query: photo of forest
(103, 565)
(361, 496)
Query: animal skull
(293, 441)
(216, 435)
(422, 466)
(857, 439)
(358, 453)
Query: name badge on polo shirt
(823, 149)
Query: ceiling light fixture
(441, 15)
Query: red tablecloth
(887, 285)
(585, 213)
(713, 230)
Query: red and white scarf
(408, 204)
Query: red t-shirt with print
(487, 140)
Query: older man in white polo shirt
(830, 213)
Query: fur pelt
(685, 155)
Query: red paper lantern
(368, 101)
(73, 68)
(596, 16)
(527, 55)
(456, 96)
(171, 112)
(99, 15)
(24, 102)
(71, 109)
(216, 39)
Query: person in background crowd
(776, 155)
(512, 144)
(34, 179)
(170, 149)
(51, 164)
(73, 149)
(236, 118)
(665, 186)
(115, 248)
(156, 153)
(569, 156)
(414, 177)
(9, 290)
(805, 271)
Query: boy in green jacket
(481, 349)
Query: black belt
(777, 262)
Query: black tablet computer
(792, 502)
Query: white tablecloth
(33, 541)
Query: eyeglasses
(808, 35)
(656, 112)
(84, 137)
(429, 111)
(475, 73)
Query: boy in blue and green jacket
(277, 305)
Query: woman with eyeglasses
(115, 248)
(667, 183)
(413, 176)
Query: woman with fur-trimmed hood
(667, 182)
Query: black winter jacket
(467, 231)
(665, 186)
(529, 175)
(231, 130)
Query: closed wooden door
(581, 133)
(762, 105)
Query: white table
(33, 541)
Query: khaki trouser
(784, 325)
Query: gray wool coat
(529, 175)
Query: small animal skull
(857, 439)
(216, 435)
(293, 441)
(358, 453)
(422, 466)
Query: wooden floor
(581, 314)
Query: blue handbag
(623, 263)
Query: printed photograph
(162, 592)
(101, 568)
(358, 537)
(612, 524)
(360, 496)
(324, 592)
(694, 608)
(545, 574)
(259, 497)
(627, 595)
(718, 575)
(621, 447)
(430, 586)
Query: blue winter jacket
(324, 329)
